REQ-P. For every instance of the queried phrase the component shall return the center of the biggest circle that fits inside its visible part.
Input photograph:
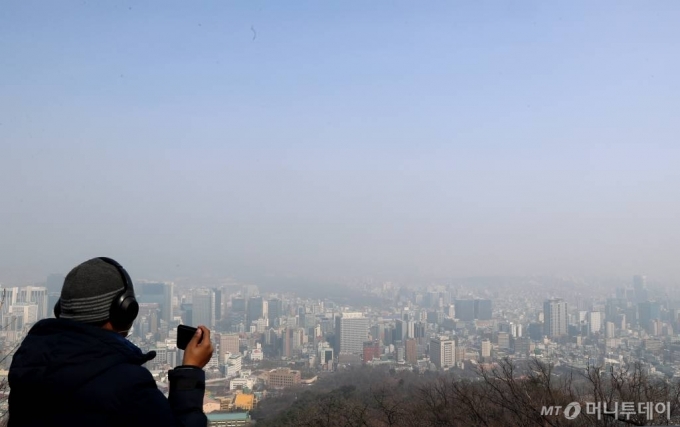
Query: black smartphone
(184, 335)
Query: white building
(595, 322)
(443, 352)
(256, 353)
(241, 382)
(486, 348)
(351, 330)
(233, 365)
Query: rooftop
(228, 416)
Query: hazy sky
(340, 138)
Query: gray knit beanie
(89, 290)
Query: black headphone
(125, 308)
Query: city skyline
(270, 343)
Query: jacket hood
(61, 355)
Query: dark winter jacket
(71, 374)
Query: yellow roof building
(244, 401)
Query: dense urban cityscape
(269, 342)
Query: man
(79, 370)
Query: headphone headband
(124, 308)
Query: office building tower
(536, 331)
(465, 309)
(239, 305)
(647, 311)
(400, 353)
(486, 348)
(257, 309)
(288, 342)
(503, 339)
(443, 352)
(229, 344)
(445, 298)
(203, 307)
(460, 353)
(523, 346)
(432, 299)
(419, 330)
(218, 304)
(302, 317)
(10, 297)
(640, 288)
(400, 330)
(371, 351)
(609, 330)
(411, 351)
(595, 320)
(410, 329)
(36, 295)
(555, 315)
(351, 330)
(275, 310)
(186, 310)
(156, 293)
(54, 283)
(23, 314)
(483, 309)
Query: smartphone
(184, 335)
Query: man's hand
(200, 348)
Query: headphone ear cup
(131, 310)
(124, 311)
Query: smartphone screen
(184, 335)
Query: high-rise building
(640, 288)
(595, 320)
(460, 353)
(465, 309)
(256, 309)
(523, 346)
(229, 343)
(54, 283)
(486, 348)
(503, 339)
(371, 351)
(275, 310)
(36, 295)
(443, 352)
(555, 315)
(351, 330)
(12, 296)
(218, 304)
(203, 307)
(239, 305)
(471, 309)
(411, 351)
(288, 342)
(648, 310)
(400, 330)
(483, 309)
(24, 315)
(609, 330)
(156, 293)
